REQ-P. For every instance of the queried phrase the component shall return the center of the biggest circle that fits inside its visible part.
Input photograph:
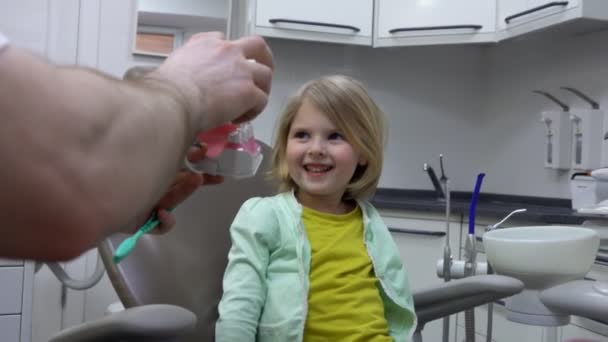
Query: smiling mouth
(317, 170)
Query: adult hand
(183, 186)
(220, 80)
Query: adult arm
(85, 154)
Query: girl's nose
(317, 148)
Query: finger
(180, 191)
(254, 47)
(197, 153)
(181, 175)
(259, 100)
(166, 222)
(212, 179)
(262, 76)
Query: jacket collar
(296, 207)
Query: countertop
(539, 209)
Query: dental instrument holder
(589, 147)
(447, 252)
(447, 268)
(436, 185)
(459, 268)
(558, 135)
(587, 139)
(446, 262)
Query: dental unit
(551, 261)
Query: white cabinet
(16, 291)
(10, 328)
(340, 21)
(572, 332)
(513, 13)
(384, 23)
(11, 283)
(416, 22)
(517, 17)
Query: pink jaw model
(231, 151)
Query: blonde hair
(346, 103)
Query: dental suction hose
(74, 284)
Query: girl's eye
(300, 135)
(335, 136)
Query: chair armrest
(462, 294)
(156, 322)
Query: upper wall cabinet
(412, 22)
(517, 17)
(426, 22)
(339, 21)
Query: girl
(316, 262)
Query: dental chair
(171, 285)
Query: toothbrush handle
(126, 247)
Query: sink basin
(542, 256)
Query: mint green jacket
(267, 278)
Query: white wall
(510, 128)
(473, 104)
(431, 96)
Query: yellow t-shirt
(344, 301)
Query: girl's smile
(319, 159)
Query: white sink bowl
(542, 256)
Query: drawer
(11, 290)
(10, 326)
(10, 262)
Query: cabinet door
(340, 21)
(11, 262)
(512, 13)
(572, 332)
(553, 4)
(9, 328)
(11, 283)
(413, 22)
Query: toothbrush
(127, 245)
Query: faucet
(438, 190)
(495, 226)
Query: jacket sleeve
(244, 282)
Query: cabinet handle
(431, 28)
(416, 232)
(536, 9)
(313, 23)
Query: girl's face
(319, 160)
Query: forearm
(82, 151)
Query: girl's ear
(362, 161)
